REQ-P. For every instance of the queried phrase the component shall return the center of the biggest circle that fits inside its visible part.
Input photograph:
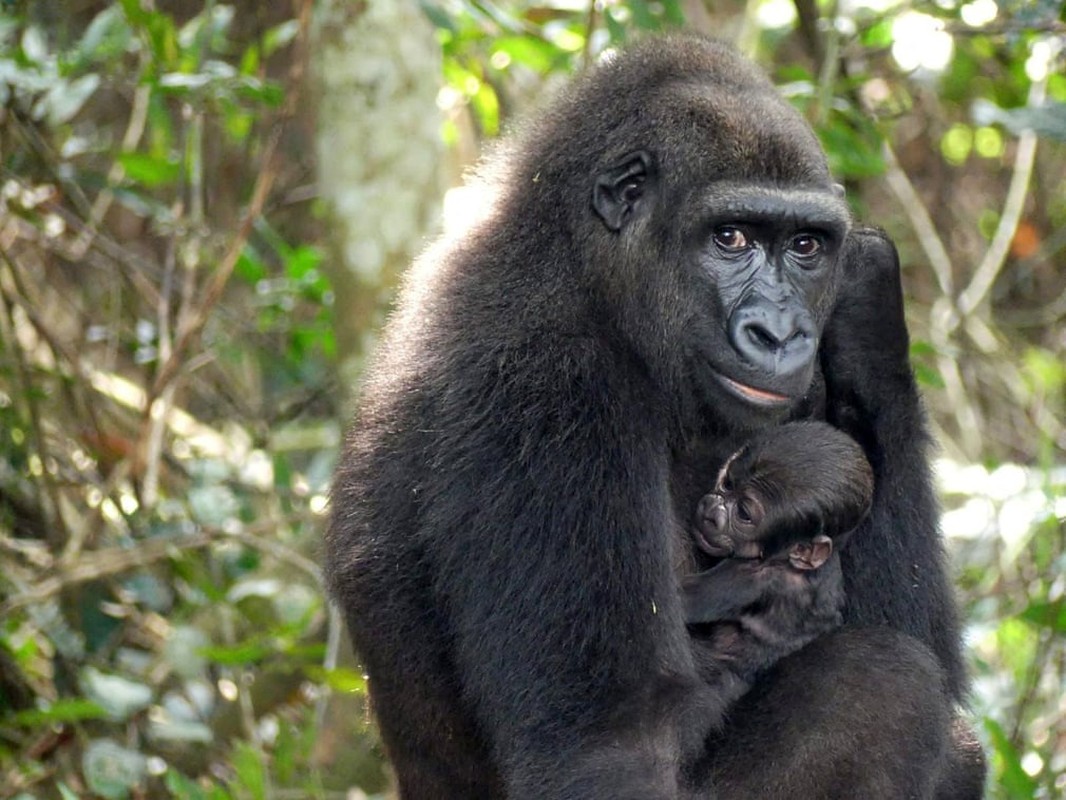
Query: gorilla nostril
(763, 338)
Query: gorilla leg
(859, 713)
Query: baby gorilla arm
(747, 614)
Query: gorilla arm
(548, 539)
(872, 395)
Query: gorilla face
(757, 275)
(767, 260)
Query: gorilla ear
(619, 191)
(810, 555)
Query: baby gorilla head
(804, 484)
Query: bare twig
(190, 329)
(918, 214)
(329, 663)
(985, 274)
(112, 561)
(590, 29)
(134, 131)
(104, 564)
(57, 532)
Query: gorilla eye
(732, 239)
(805, 245)
(744, 513)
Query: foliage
(168, 396)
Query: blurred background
(204, 208)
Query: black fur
(506, 531)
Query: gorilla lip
(759, 396)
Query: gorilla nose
(719, 517)
(774, 341)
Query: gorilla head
(784, 485)
(716, 228)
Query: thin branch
(58, 532)
(134, 131)
(329, 663)
(190, 330)
(112, 561)
(918, 214)
(590, 29)
(986, 273)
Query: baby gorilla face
(729, 519)
(728, 524)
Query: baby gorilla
(783, 505)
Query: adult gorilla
(660, 259)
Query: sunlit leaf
(149, 170)
(119, 696)
(108, 35)
(279, 36)
(339, 679)
(111, 770)
(249, 652)
(66, 98)
(529, 51)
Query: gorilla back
(654, 274)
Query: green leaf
(339, 679)
(112, 770)
(279, 36)
(249, 652)
(251, 774)
(150, 170)
(1011, 778)
(920, 347)
(65, 99)
(119, 696)
(63, 710)
(107, 36)
(250, 267)
(529, 51)
(928, 376)
(438, 16)
(183, 788)
(878, 35)
(851, 153)
(1047, 615)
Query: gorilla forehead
(696, 104)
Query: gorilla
(784, 485)
(782, 506)
(665, 264)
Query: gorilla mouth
(751, 394)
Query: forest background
(204, 209)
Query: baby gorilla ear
(812, 554)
